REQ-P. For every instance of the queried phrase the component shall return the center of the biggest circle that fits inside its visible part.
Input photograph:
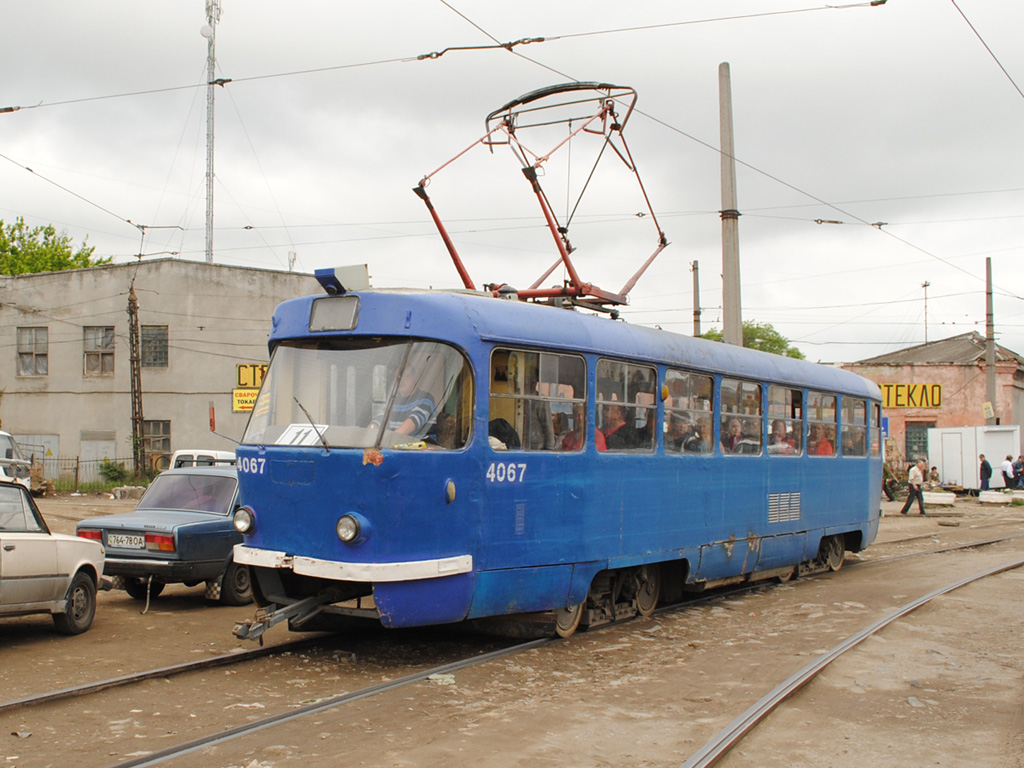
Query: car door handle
(8, 547)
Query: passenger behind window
(574, 439)
(779, 441)
(501, 435)
(682, 435)
(558, 425)
(818, 443)
(733, 439)
(619, 432)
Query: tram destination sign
(911, 395)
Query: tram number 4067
(499, 472)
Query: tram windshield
(364, 392)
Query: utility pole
(135, 364)
(925, 285)
(990, 346)
(732, 313)
(696, 299)
(210, 33)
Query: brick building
(942, 384)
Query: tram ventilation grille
(783, 507)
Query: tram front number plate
(125, 541)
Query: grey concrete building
(65, 374)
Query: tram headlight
(348, 528)
(244, 520)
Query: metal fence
(71, 473)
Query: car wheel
(236, 586)
(80, 609)
(137, 588)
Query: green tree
(26, 250)
(761, 336)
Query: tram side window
(855, 431)
(741, 417)
(785, 421)
(537, 401)
(821, 424)
(875, 428)
(688, 412)
(626, 405)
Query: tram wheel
(836, 553)
(648, 589)
(567, 620)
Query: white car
(44, 572)
(13, 465)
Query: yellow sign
(243, 399)
(988, 411)
(250, 375)
(911, 395)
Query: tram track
(331, 701)
(731, 736)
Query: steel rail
(266, 722)
(729, 736)
(221, 660)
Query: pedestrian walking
(986, 472)
(915, 479)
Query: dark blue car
(180, 532)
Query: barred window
(33, 351)
(154, 346)
(689, 413)
(99, 350)
(156, 440)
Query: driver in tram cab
(412, 409)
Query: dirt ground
(940, 687)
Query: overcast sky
(896, 114)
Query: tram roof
(463, 317)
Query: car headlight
(348, 528)
(244, 520)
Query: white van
(202, 458)
(14, 467)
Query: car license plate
(125, 541)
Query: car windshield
(360, 392)
(203, 493)
(9, 449)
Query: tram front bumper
(365, 572)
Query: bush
(114, 473)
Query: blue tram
(429, 457)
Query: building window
(99, 350)
(156, 440)
(154, 346)
(917, 440)
(33, 351)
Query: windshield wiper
(312, 424)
